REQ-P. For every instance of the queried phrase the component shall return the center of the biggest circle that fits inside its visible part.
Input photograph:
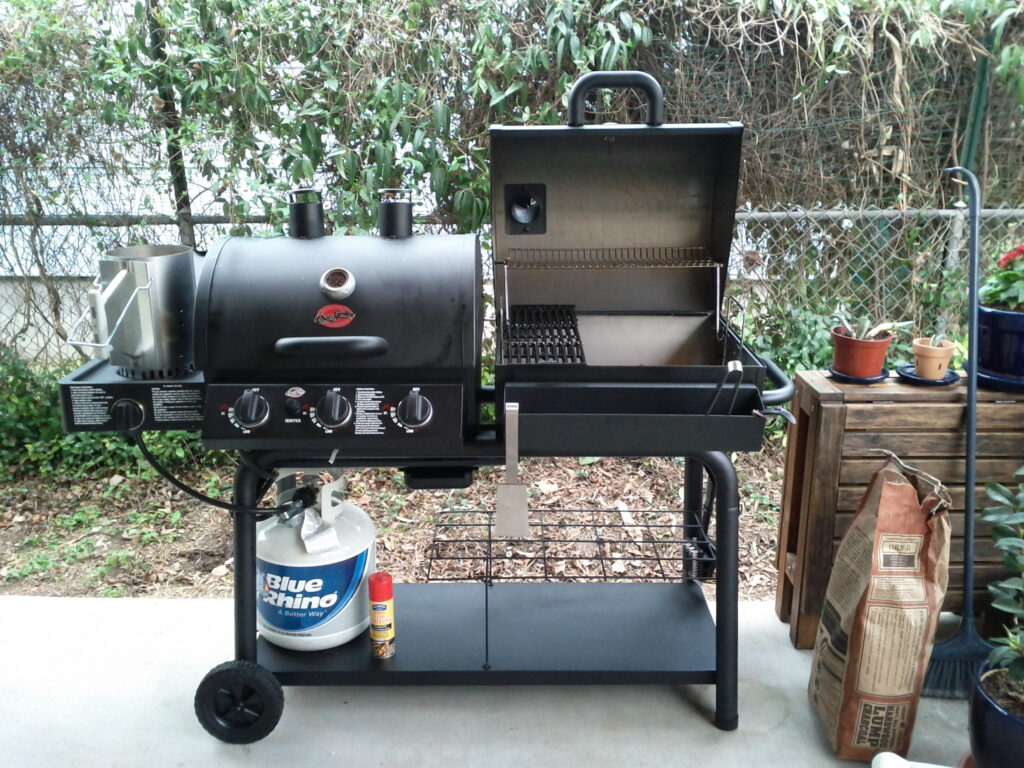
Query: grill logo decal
(334, 316)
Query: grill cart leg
(693, 485)
(247, 483)
(727, 512)
(239, 701)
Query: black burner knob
(415, 410)
(333, 410)
(127, 415)
(251, 410)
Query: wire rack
(604, 258)
(538, 334)
(572, 545)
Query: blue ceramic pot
(1001, 344)
(997, 737)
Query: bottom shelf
(537, 634)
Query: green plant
(1004, 288)
(1008, 595)
(865, 327)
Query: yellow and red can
(382, 615)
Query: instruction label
(174, 402)
(369, 419)
(90, 406)
(888, 661)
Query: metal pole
(727, 513)
(973, 236)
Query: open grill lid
(573, 206)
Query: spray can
(382, 616)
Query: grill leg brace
(247, 483)
(727, 513)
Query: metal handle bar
(785, 388)
(641, 81)
(336, 346)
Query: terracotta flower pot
(862, 358)
(931, 362)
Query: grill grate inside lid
(537, 334)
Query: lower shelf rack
(551, 633)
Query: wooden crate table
(829, 462)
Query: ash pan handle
(641, 81)
(337, 346)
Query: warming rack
(603, 258)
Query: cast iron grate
(536, 334)
(572, 545)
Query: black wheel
(239, 702)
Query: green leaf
(999, 493)
(1012, 607)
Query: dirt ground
(120, 537)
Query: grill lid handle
(641, 81)
(331, 346)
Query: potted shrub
(1001, 320)
(932, 355)
(997, 702)
(859, 348)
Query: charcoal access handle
(785, 386)
(641, 81)
(331, 346)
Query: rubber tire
(230, 684)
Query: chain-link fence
(787, 267)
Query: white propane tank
(311, 574)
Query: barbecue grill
(610, 254)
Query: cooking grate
(538, 334)
(603, 258)
(572, 545)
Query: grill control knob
(333, 410)
(415, 410)
(251, 410)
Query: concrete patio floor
(109, 682)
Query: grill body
(412, 322)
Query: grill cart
(611, 251)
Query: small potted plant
(932, 354)
(1001, 320)
(997, 702)
(859, 348)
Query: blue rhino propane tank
(312, 570)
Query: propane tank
(312, 566)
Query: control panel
(377, 419)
